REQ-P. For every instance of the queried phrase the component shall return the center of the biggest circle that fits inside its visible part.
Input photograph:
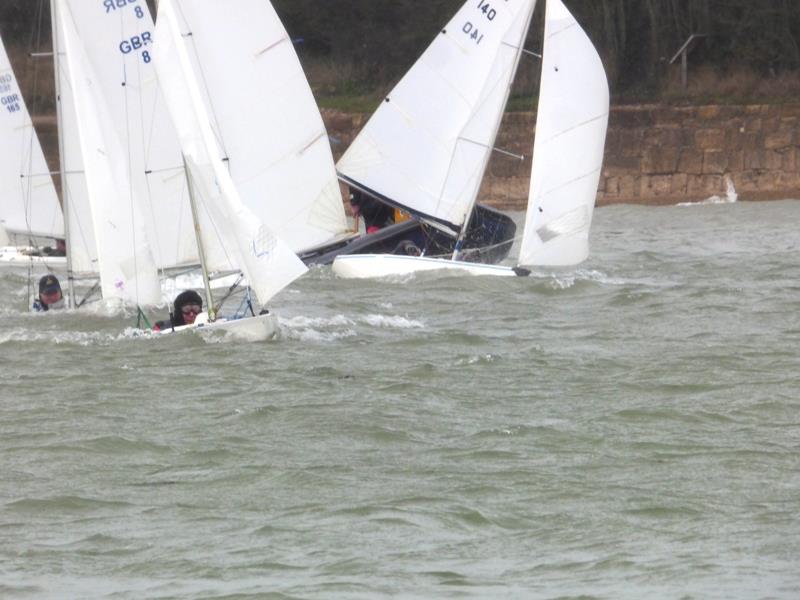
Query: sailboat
(134, 230)
(230, 235)
(426, 148)
(567, 159)
(29, 207)
(266, 123)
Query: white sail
(28, 201)
(125, 263)
(230, 230)
(118, 40)
(81, 243)
(427, 145)
(568, 149)
(264, 117)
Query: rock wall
(654, 154)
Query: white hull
(363, 266)
(17, 256)
(249, 329)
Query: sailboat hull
(260, 328)
(491, 235)
(366, 266)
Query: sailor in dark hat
(50, 294)
(186, 307)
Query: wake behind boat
(571, 125)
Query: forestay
(229, 228)
(568, 149)
(265, 120)
(125, 262)
(426, 147)
(118, 38)
(28, 201)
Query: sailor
(376, 214)
(186, 307)
(59, 250)
(50, 294)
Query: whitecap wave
(79, 338)
(317, 329)
(392, 322)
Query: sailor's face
(50, 298)
(190, 313)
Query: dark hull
(490, 237)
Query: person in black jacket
(375, 213)
(186, 307)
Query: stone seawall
(654, 154)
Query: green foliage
(356, 49)
(380, 39)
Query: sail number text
(11, 101)
(473, 30)
(135, 42)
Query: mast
(61, 160)
(200, 251)
(520, 48)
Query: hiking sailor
(186, 307)
(50, 294)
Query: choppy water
(626, 429)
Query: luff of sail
(81, 243)
(426, 146)
(227, 226)
(125, 263)
(571, 128)
(28, 201)
(265, 119)
(118, 40)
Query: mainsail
(568, 149)
(124, 259)
(426, 147)
(118, 41)
(235, 236)
(28, 201)
(266, 123)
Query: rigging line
(89, 294)
(219, 236)
(483, 100)
(230, 291)
(129, 166)
(145, 149)
(217, 129)
(26, 194)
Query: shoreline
(656, 154)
